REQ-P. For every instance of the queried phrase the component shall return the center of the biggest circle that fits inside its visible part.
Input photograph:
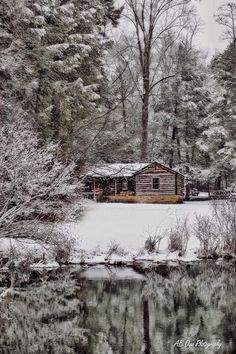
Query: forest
(86, 83)
(90, 82)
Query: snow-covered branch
(35, 183)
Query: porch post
(94, 187)
(115, 187)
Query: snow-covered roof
(120, 169)
(116, 169)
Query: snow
(43, 265)
(23, 246)
(138, 256)
(68, 9)
(57, 47)
(116, 169)
(114, 273)
(130, 224)
(39, 31)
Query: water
(105, 311)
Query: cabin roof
(115, 169)
(120, 169)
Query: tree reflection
(123, 316)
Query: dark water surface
(105, 311)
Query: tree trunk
(55, 118)
(173, 138)
(188, 190)
(124, 340)
(124, 114)
(145, 104)
(178, 149)
(146, 325)
(188, 186)
(145, 116)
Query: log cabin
(134, 183)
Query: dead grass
(152, 243)
(114, 248)
(149, 199)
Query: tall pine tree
(52, 65)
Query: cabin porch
(101, 189)
(134, 183)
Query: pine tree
(220, 136)
(52, 62)
(181, 108)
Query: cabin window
(155, 183)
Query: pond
(109, 310)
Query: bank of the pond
(98, 271)
(121, 234)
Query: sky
(209, 38)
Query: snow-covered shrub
(179, 236)
(217, 233)
(114, 248)
(63, 247)
(224, 215)
(35, 184)
(20, 256)
(208, 234)
(152, 243)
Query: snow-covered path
(129, 224)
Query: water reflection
(124, 314)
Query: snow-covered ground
(127, 225)
(130, 224)
(21, 246)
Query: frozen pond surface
(130, 224)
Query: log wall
(169, 182)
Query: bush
(152, 243)
(217, 233)
(179, 237)
(225, 217)
(208, 234)
(35, 182)
(62, 247)
(114, 248)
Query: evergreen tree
(180, 111)
(220, 136)
(52, 63)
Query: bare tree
(124, 83)
(226, 17)
(152, 20)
